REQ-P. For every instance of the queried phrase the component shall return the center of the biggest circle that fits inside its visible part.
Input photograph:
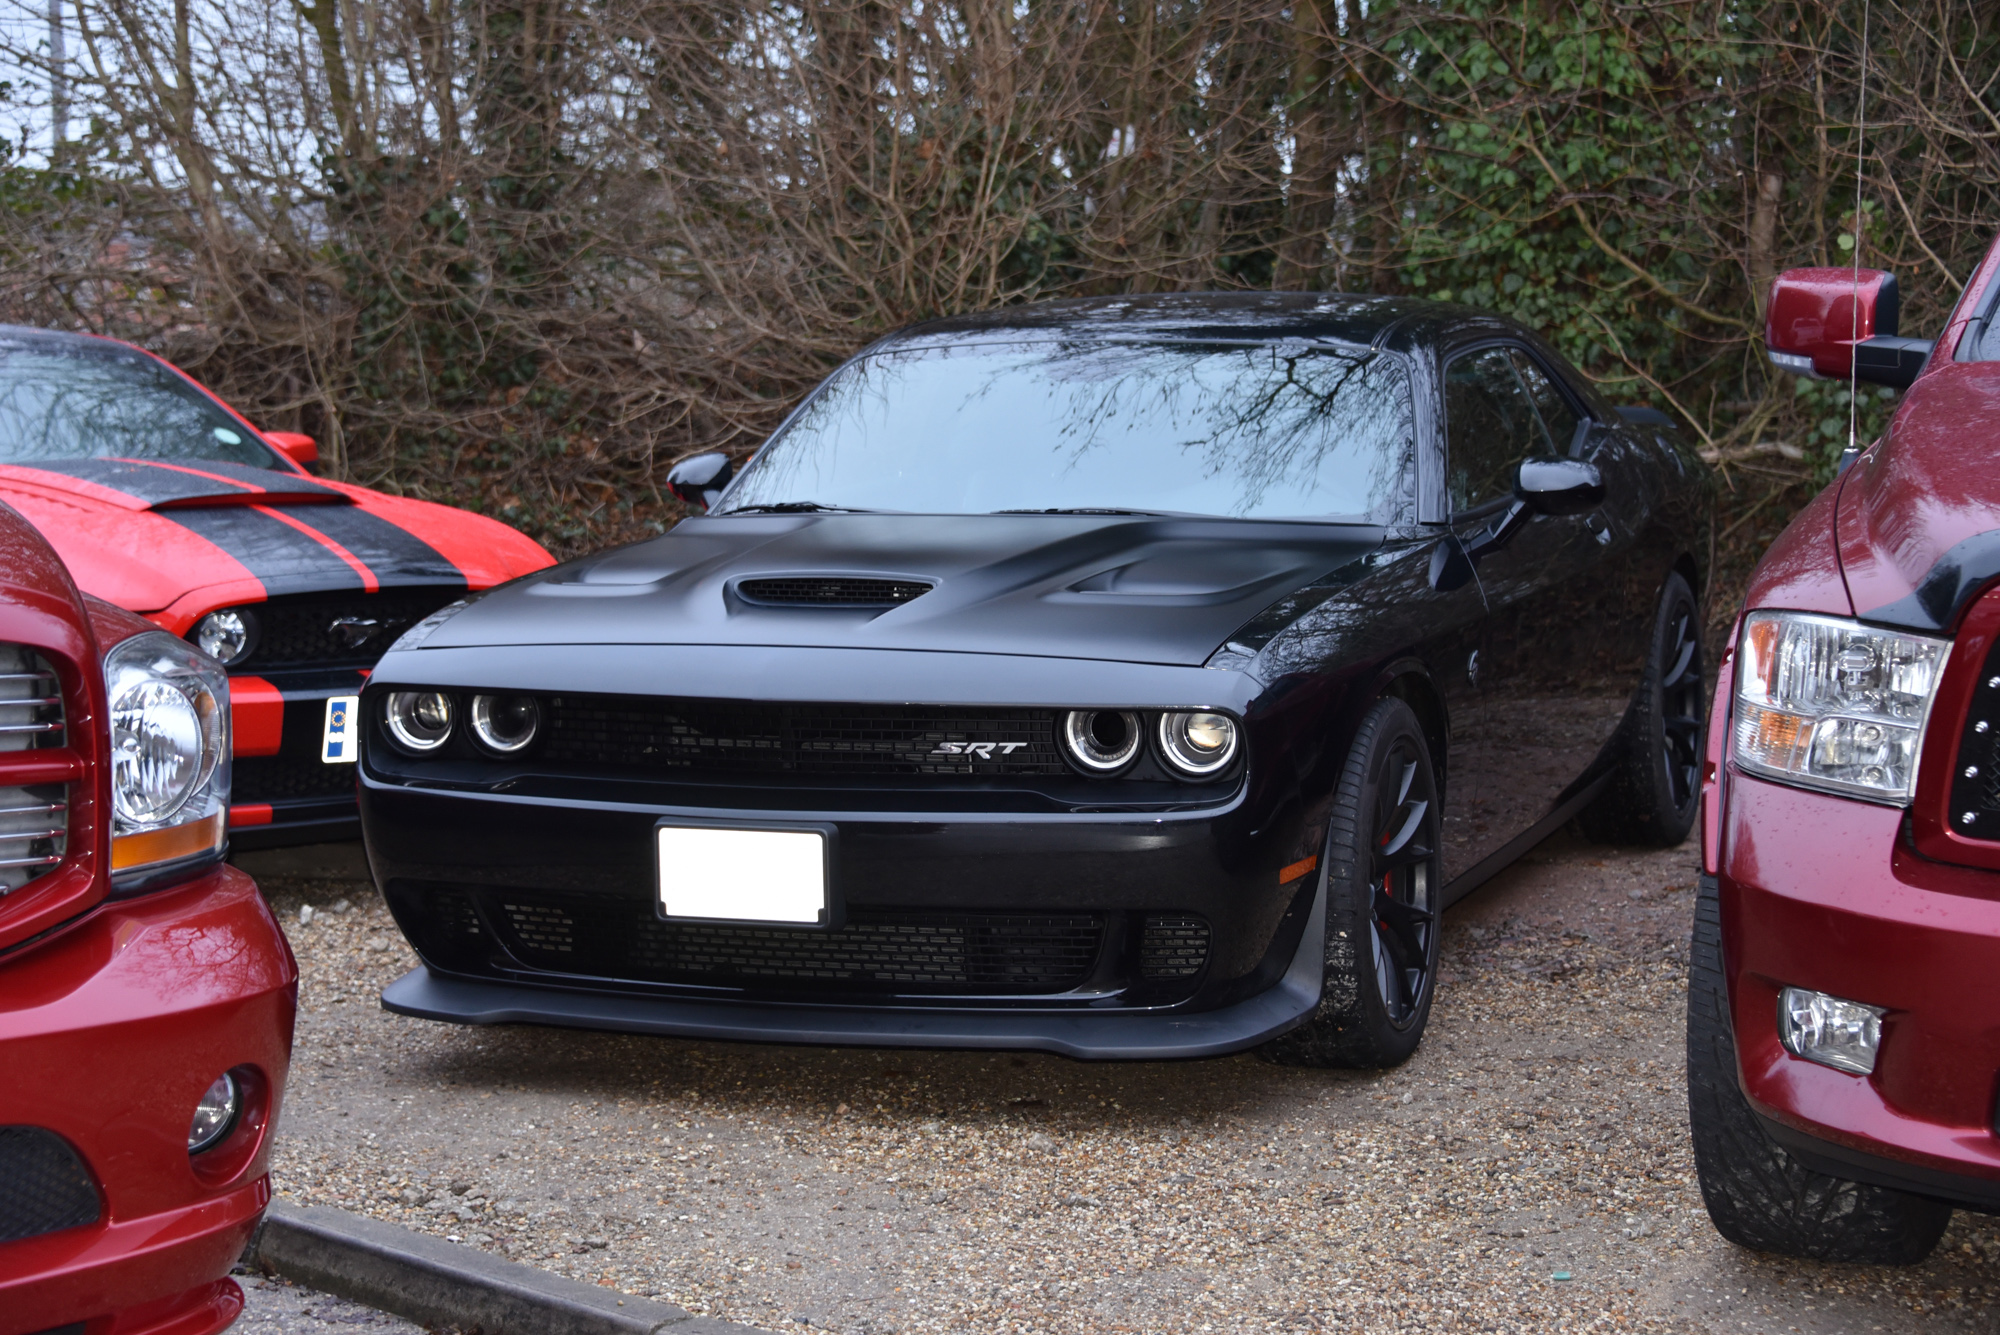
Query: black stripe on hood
(282, 558)
(396, 555)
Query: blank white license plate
(743, 875)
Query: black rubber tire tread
(1350, 1028)
(1759, 1196)
(1636, 807)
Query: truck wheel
(1381, 867)
(1654, 789)
(1758, 1195)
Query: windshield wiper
(1080, 510)
(793, 508)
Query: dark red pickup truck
(146, 993)
(1844, 1002)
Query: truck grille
(34, 822)
(1975, 774)
(344, 630)
(44, 1186)
(727, 737)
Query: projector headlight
(1198, 743)
(419, 721)
(169, 754)
(1102, 741)
(1824, 702)
(505, 723)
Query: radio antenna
(1854, 294)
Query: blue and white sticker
(341, 743)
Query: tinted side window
(1490, 426)
(1560, 419)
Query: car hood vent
(830, 591)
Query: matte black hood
(1132, 589)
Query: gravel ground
(1529, 1169)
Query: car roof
(1331, 316)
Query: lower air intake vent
(1173, 947)
(44, 1186)
(831, 591)
(874, 952)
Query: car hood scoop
(146, 484)
(846, 591)
(1133, 588)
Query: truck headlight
(1824, 702)
(169, 754)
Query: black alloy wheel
(1380, 872)
(1403, 925)
(1655, 782)
(1682, 706)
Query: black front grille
(1975, 774)
(742, 737)
(281, 778)
(44, 1186)
(835, 591)
(344, 630)
(873, 952)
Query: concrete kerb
(438, 1283)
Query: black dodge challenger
(1133, 677)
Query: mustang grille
(44, 1186)
(838, 591)
(1010, 952)
(281, 778)
(347, 630)
(741, 737)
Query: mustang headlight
(1823, 702)
(227, 636)
(169, 753)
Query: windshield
(1261, 431)
(62, 400)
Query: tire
(1380, 871)
(1656, 785)
(1759, 1196)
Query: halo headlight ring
(420, 722)
(1101, 741)
(505, 724)
(1197, 743)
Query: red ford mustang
(1844, 1000)
(165, 501)
(146, 994)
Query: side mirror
(1558, 486)
(301, 449)
(700, 479)
(1822, 324)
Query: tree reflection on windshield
(63, 400)
(1195, 428)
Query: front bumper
(1826, 893)
(1030, 928)
(111, 1030)
(283, 791)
